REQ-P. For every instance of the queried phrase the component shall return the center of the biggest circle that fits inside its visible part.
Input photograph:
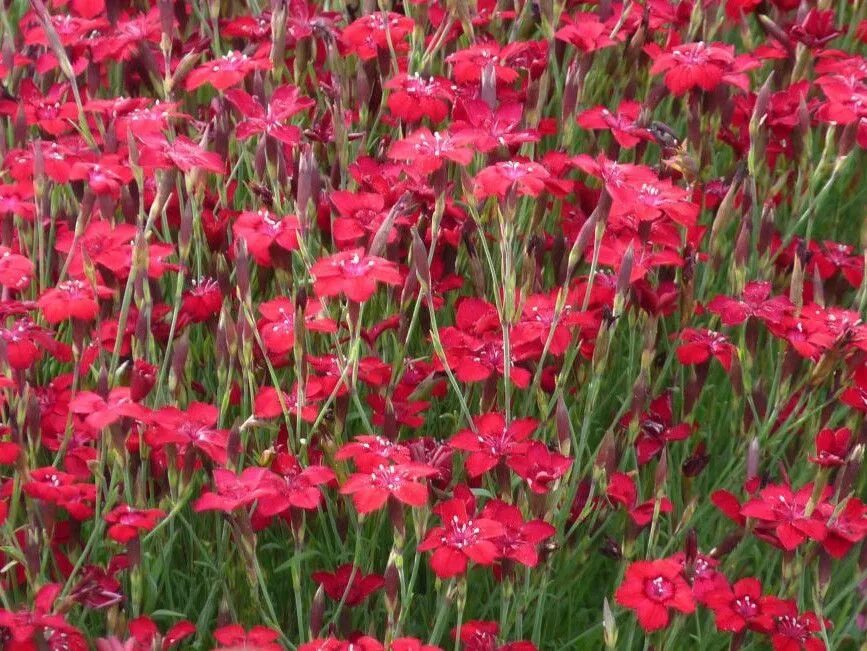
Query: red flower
(784, 513)
(369, 451)
(700, 65)
(354, 274)
(459, 539)
(656, 428)
(181, 153)
(622, 122)
(234, 637)
(72, 299)
(427, 150)
(832, 447)
(739, 606)
(101, 412)
(587, 33)
(845, 527)
(754, 302)
(527, 178)
(203, 301)
(520, 539)
(414, 97)
(349, 584)
(700, 345)
(128, 522)
(651, 588)
(621, 490)
(371, 488)
(190, 429)
(227, 71)
(277, 327)
(285, 102)
(482, 636)
(233, 491)
(493, 441)
(30, 629)
(538, 465)
(376, 31)
(261, 230)
(63, 489)
(16, 271)
(291, 485)
(793, 631)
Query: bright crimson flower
(277, 327)
(526, 178)
(260, 638)
(520, 540)
(27, 629)
(784, 513)
(845, 528)
(656, 428)
(190, 429)
(182, 153)
(202, 301)
(414, 97)
(496, 128)
(128, 522)
(412, 644)
(286, 101)
(739, 606)
(101, 412)
(794, 631)
(371, 488)
(700, 65)
(493, 441)
(478, 635)
(227, 71)
(262, 230)
(370, 451)
(651, 589)
(291, 485)
(754, 302)
(538, 465)
(622, 122)
(63, 489)
(700, 345)
(622, 490)
(354, 274)
(350, 581)
(461, 538)
(587, 33)
(16, 271)
(233, 491)
(72, 299)
(427, 151)
(856, 396)
(26, 342)
(832, 447)
(376, 31)
(356, 643)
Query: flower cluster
(413, 325)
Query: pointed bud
(609, 626)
